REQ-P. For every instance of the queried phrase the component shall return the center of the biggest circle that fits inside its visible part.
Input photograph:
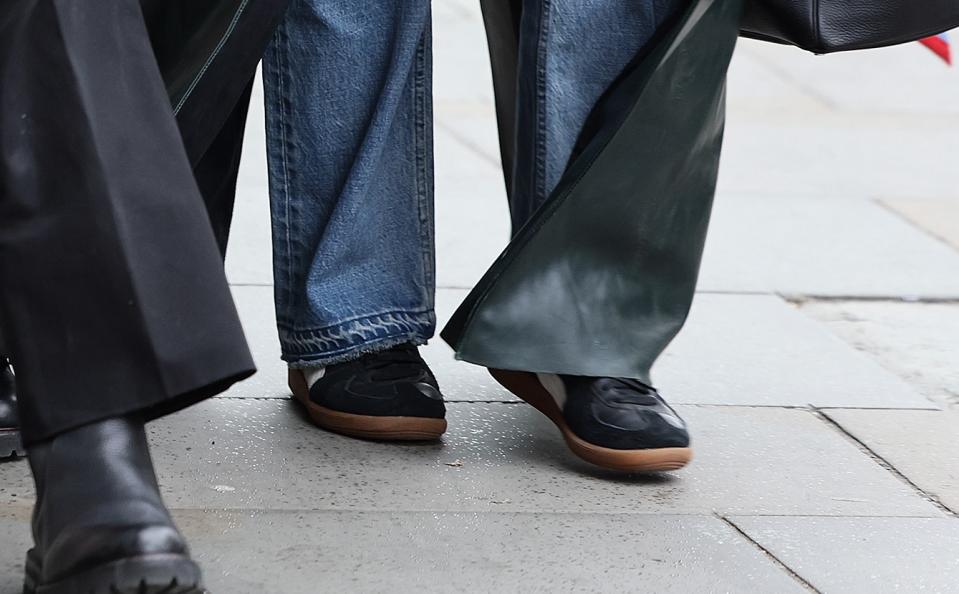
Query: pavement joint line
(824, 416)
(655, 514)
(932, 408)
(290, 397)
(698, 292)
(775, 70)
(881, 203)
(510, 402)
(267, 398)
(470, 145)
(802, 299)
(15, 506)
(745, 293)
(795, 298)
(779, 562)
(796, 407)
(802, 407)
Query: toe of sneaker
(640, 431)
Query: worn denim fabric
(349, 129)
(570, 53)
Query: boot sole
(527, 386)
(149, 574)
(10, 444)
(365, 426)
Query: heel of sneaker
(297, 383)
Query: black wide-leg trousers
(113, 299)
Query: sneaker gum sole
(527, 386)
(10, 444)
(149, 574)
(365, 426)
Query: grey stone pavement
(818, 371)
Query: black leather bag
(826, 26)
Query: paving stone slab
(249, 257)
(889, 127)
(841, 156)
(256, 552)
(262, 454)
(759, 92)
(905, 79)
(758, 350)
(916, 341)
(472, 215)
(812, 245)
(923, 445)
(938, 217)
(461, 67)
(474, 126)
(863, 555)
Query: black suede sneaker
(10, 445)
(621, 424)
(389, 395)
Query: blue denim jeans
(570, 52)
(349, 130)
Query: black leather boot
(99, 525)
(10, 445)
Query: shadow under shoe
(10, 443)
(99, 525)
(389, 395)
(620, 424)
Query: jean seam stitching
(539, 175)
(420, 145)
(281, 70)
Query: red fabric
(940, 46)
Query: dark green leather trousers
(601, 277)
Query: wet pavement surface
(818, 373)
